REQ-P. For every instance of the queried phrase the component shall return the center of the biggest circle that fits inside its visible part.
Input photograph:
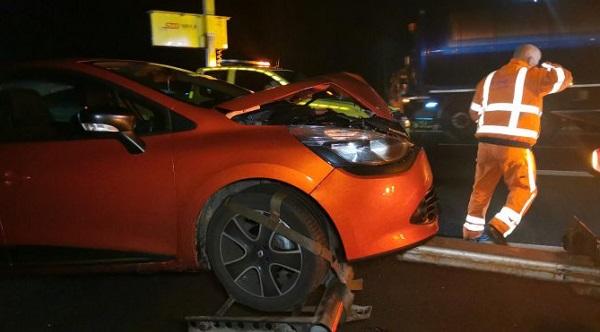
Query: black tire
(458, 125)
(246, 257)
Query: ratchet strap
(273, 222)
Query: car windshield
(184, 85)
(289, 75)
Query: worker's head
(528, 53)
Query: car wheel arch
(218, 197)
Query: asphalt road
(566, 187)
(405, 296)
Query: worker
(507, 107)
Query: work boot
(495, 235)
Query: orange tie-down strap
(273, 223)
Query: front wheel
(257, 267)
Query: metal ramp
(334, 308)
(523, 260)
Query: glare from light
(389, 190)
(431, 104)
(379, 148)
(99, 128)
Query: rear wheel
(458, 125)
(257, 267)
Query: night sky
(314, 37)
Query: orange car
(125, 165)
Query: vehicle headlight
(347, 146)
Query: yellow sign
(187, 30)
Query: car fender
(253, 173)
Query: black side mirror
(113, 121)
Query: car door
(80, 197)
(9, 179)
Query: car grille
(428, 211)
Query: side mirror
(596, 161)
(113, 121)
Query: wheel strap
(273, 223)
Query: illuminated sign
(175, 29)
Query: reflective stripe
(520, 86)
(505, 218)
(531, 170)
(560, 73)
(475, 220)
(503, 130)
(528, 203)
(485, 97)
(509, 230)
(486, 89)
(518, 98)
(476, 107)
(513, 215)
(512, 107)
(560, 76)
(473, 228)
(509, 216)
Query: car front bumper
(372, 213)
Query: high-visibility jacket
(508, 102)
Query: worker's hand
(471, 235)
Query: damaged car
(112, 165)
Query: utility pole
(208, 7)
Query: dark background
(314, 37)
(311, 36)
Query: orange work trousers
(517, 167)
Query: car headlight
(347, 146)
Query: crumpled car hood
(350, 84)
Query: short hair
(524, 51)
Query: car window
(151, 118)
(253, 80)
(289, 75)
(44, 107)
(38, 108)
(218, 74)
